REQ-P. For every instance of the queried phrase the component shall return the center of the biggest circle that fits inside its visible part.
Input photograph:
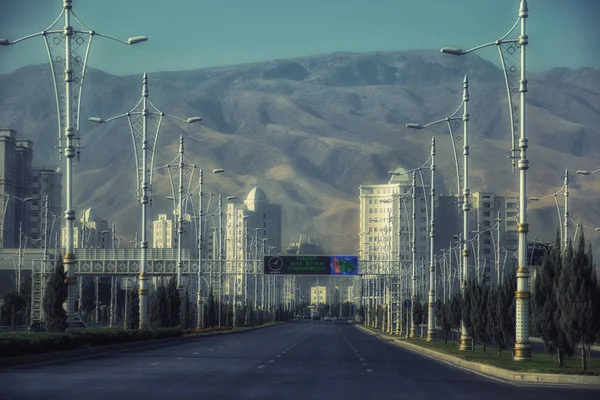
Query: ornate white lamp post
(145, 125)
(68, 50)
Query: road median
(490, 370)
(82, 352)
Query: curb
(20, 361)
(495, 372)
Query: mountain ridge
(310, 130)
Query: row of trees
(488, 314)
(566, 301)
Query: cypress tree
(506, 311)
(417, 311)
(478, 314)
(466, 308)
(576, 297)
(54, 297)
(173, 304)
(444, 321)
(133, 308)
(492, 325)
(455, 312)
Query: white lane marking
(271, 360)
(195, 353)
(361, 359)
(369, 370)
(365, 364)
(220, 347)
(283, 351)
(180, 358)
(210, 349)
(261, 366)
(156, 363)
(278, 355)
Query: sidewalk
(41, 358)
(495, 372)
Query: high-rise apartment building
(493, 223)
(386, 221)
(92, 232)
(15, 183)
(18, 183)
(246, 225)
(165, 232)
(45, 182)
(318, 295)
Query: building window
(370, 201)
(45, 180)
(511, 223)
(486, 205)
(486, 251)
(486, 214)
(486, 223)
(511, 205)
(487, 241)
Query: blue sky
(191, 34)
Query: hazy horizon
(189, 35)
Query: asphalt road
(297, 360)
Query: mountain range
(310, 130)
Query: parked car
(37, 327)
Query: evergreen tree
(133, 308)
(159, 315)
(466, 309)
(210, 315)
(417, 311)
(576, 296)
(506, 311)
(15, 305)
(173, 304)
(493, 332)
(455, 312)
(444, 322)
(54, 297)
(478, 314)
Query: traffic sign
(311, 265)
(407, 304)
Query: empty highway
(296, 360)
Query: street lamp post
(465, 341)
(413, 328)
(199, 305)
(68, 101)
(144, 143)
(522, 350)
(431, 331)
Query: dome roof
(256, 195)
(404, 177)
(88, 215)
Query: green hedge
(21, 344)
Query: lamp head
(4, 42)
(414, 126)
(194, 119)
(137, 39)
(583, 172)
(96, 120)
(217, 170)
(453, 51)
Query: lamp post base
(413, 332)
(522, 351)
(431, 336)
(465, 343)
